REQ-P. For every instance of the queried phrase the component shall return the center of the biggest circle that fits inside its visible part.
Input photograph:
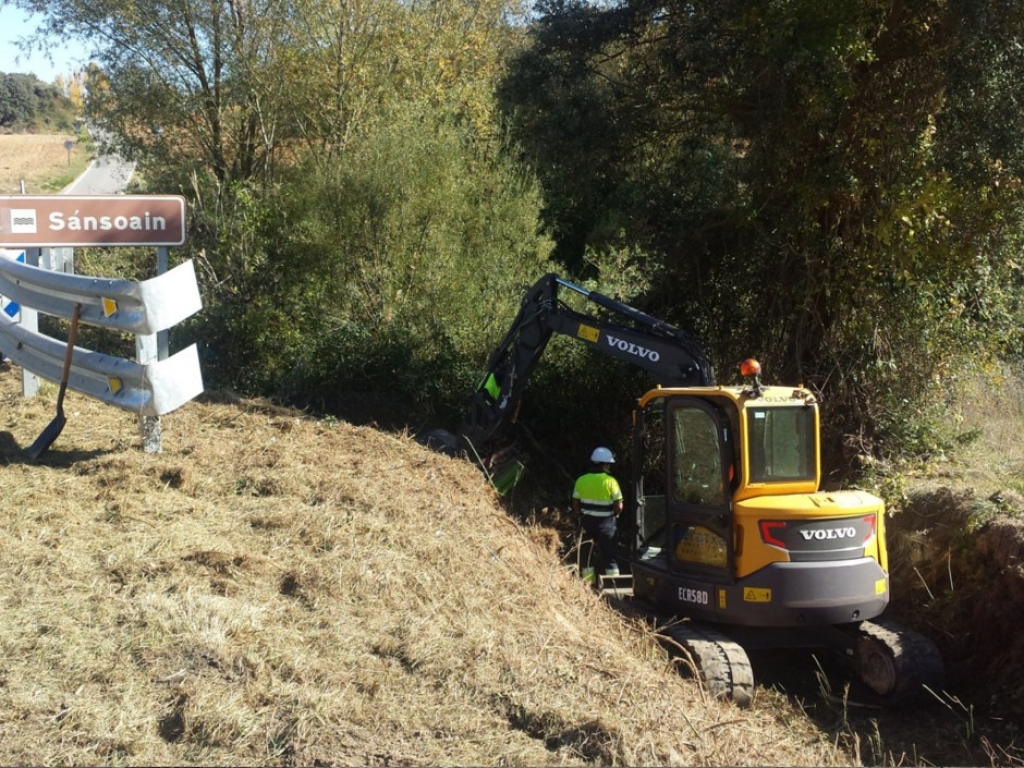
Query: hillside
(274, 589)
(278, 590)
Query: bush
(373, 275)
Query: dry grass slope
(277, 590)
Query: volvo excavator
(733, 546)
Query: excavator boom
(670, 355)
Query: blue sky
(14, 23)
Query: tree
(370, 286)
(74, 88)
(177, 76)
(231, 82)
(787, 170)
(17, 99)
(27, 103)
(353, 218)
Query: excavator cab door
(700, 470)
(684, 487)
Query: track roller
(721, 663)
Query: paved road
(106, 175)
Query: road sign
(33, 221)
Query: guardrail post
(163, 258)
(149, 426)
(62, 259)
(150, 348)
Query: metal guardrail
(125, 305)
(150, 387)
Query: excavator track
(897, 664)
(720, 662)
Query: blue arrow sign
(11, 308)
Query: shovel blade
(45, 440)
(53, 429)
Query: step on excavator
(733, 547)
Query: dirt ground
(958, 559)
(40, 160)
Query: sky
(14, 58)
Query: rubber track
(722, 662)
(919, 665)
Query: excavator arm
(670, 355)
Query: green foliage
(353, 222)
(578, 399)
(231, 89)
(804, 182)
(27, 103)
(374, 279)
(833, 188)
(351, 58)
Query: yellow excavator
(732, 544)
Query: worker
(597, 501)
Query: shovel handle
(66, 372)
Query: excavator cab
(730, 524)
(686, 464)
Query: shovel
(54, 428)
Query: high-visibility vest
(491, 386)
(597, 493)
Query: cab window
(782, 444)
(697, 459)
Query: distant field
(41, 161)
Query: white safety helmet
(602, 456)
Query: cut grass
(276, 590)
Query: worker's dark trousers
(599, 531)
